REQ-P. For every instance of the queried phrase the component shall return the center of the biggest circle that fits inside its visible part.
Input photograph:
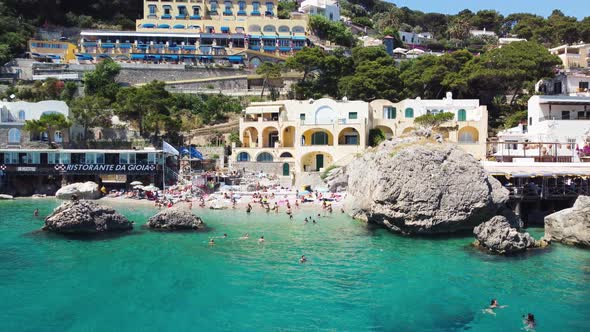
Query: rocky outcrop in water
(84, 190)
(417, 186)
(498, 236)
(5, 197)
(85, 217)
(175, 219)
(570, 226)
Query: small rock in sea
(499, 237)
(83, 190)
(85, 217)
(175, 218)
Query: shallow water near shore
(357, 279)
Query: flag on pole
(167, 148)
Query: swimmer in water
(303, 259)
(211, 242)
(305, 221)
(245, 237)
(249, 208)
(493, 305)
(261, 239)
(36, 212)
(224, 235)
(529, 321)
(313, 221)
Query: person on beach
(36, 212)
(276, 208)
(303, 259)
(261, 240)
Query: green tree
(335, 32)
(48, 123)
(432, 122)
(101, 81)
(269, 71)
(90, 112)
(372, 80)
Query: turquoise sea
(357, 278)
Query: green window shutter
(462, 115)
(409, 112)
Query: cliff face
(415, 186)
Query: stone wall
(133, 76)
(270, 168)
(217, 85)
(209, 151)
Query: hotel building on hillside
(557, 129)
(230, 31)
(573, 56)
(294, 136)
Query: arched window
(58, 137)
(14, 135)
(269, 28)
(286, 155)
(319, 138)
(462, 115)
(243, 156)
(409, 112)
(21, 115)
(468, 135)
(264, 157)
(298, 29)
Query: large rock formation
(84, 190)
(498, 236)
(6, 197)
(416, 186)
(570, 226)
(175, 219)
(85, 217)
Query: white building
(14, 114)
(484, 32)
(413, 38)
(570, 83)
(327, 8)
(556, 127)
(293, 136)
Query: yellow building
(294, 136)
(573, 56)
(58, 51)
(204, 30)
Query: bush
(376, 136)
(335, 32)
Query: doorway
(319, 161)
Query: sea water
(357, 278)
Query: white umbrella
(151, 187)
(400, 50)
(136, 183)
(415, 51)
(139, 186)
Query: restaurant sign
(106, 168)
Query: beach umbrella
(136, 183)
(138, 186)
(151, 187)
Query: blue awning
(158, 46)
(51, 56)
(224, 29)
(207, 57)
(124, 45)
(173, 48)
(171, 57)
(137, 56)
(107, 45)
(84, 57)
(148, 25)
(269, 37)
(164, 26)
(153, 57)
(235, 58)
(90, 44)
(254, 36)
(103, 56)
(178, 26)
(298, 38)
(187, 56)
(285, 49)
(189, 47)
